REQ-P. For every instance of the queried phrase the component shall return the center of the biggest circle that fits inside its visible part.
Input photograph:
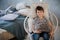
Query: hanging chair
(48, 14)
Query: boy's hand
(51, 34)
(37, 31)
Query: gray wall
(5, 3)
(53, 5)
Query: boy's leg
(35, 36)
(46, 36)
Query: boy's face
(40, 13)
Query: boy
(41, 27)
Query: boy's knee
(46, 36)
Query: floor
(14, 38)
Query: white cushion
(24, 12)
(9, 17)
(20, 6)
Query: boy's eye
(37, 12)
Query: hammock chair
(48, 14)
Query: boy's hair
(39, 8)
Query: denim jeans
(36, 36)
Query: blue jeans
(36, 36)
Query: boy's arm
(52, 28)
